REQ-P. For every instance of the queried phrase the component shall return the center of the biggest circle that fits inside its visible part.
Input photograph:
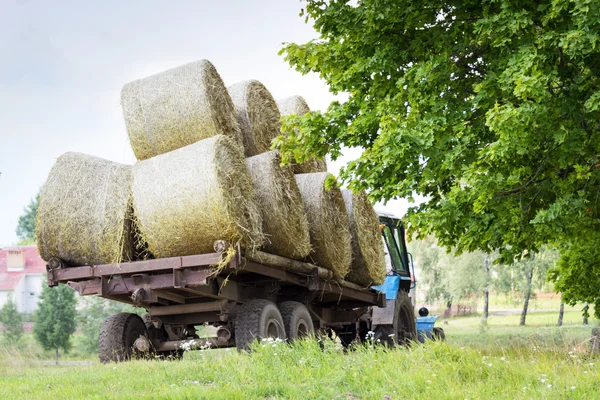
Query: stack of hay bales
(204, 173)
(84, 213)
(296, 105)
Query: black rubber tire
(296, 319)
(257, 319)
(404, 329)
(439, 334)
(405, 322)
(117, 335)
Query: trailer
(250, 295)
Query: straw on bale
(187, 199)
(328, 223)
(84, 214)
(257, 115)
(177, 107)
(284, 222)
(297, 105)
(368, 257)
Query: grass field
(504, 361)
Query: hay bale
(368, 257)
(284, 222)
(328, 223)
(297, 105)
(187, 199)
(177, 107)
(257, 115)
(84, 214)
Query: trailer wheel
(257, 319)
(296, 320)
(117, 335)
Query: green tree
(93, 311)
(488, 109)
(26, 224)
(12, 322)
(55, 318)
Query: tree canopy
(488, 109)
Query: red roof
(33, 265)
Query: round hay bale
(284, 221)
(84, 214)
(297, 105)
(328, 223)
(368, 257)
(177, 107)
(257, 115)
(187, 199)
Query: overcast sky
(63, 63)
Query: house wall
(31, 293)
(26, 294)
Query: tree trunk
(561, 312)
(529, 277)
(486, 291)
(56, 355)
(585, 318)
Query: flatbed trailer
(245, 296)
(181, 292)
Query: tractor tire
(439, 334)
(257, 319)
(117, 335)
(404, 329)
(296, 320)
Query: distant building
(22, 274)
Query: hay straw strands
(297, 105)
(284, 222)
(177, 107)
(187, 199)
(84, 215)
(368, 257)
(257, 115)
(328, 223)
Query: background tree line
(451, 278)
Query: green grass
(435, 371)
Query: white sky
(63, 63)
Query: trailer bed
(190, 290)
